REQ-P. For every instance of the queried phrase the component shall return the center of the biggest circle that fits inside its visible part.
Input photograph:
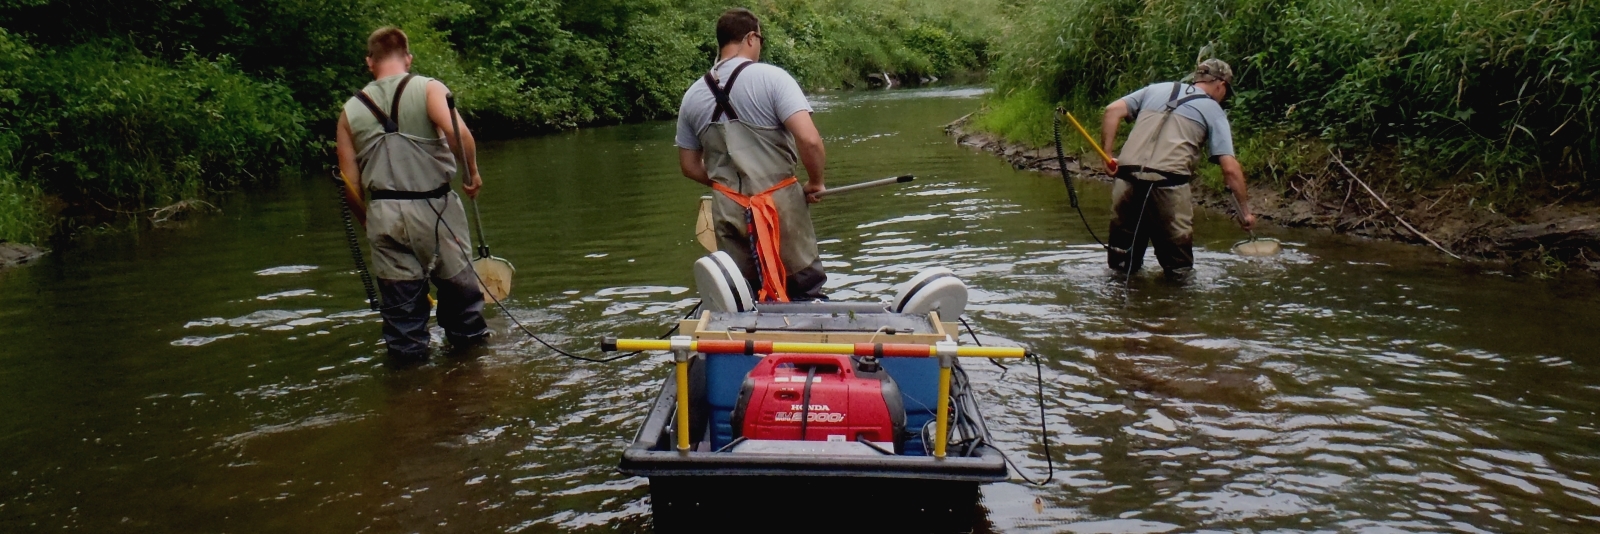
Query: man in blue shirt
(1151, 199)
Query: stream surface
(225, 377)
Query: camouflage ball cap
(1213, 69)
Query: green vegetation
(1500, 93)
(138, 103)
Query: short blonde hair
(387, 41)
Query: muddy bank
(1547, 240)
(14, 254)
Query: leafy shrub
(99, 121)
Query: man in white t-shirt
(741, 129)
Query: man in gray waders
(1151, 200)
(392, 135)
(741, 128)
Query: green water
(223, 377)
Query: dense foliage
(1499, 92)
(143, 102)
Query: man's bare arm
(812, 154)
(1233, 176)
(1115, 113)
(692, 166)
(439, 113)
(349, 170)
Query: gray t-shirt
(1205, 111)
(763, 95)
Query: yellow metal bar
(814, 348)
(991, 352)
(1096, 144)
(683, 406)
(630, 345)
(943, 426)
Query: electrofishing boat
(818, 397)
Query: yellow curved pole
(1101, 151)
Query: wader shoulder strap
(1173, 102)
(724, 104)
(389, 126)
(394, 104)
(389, 120)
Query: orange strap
(769, 257)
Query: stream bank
(1550, 240)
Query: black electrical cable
(514, 320)
(1137, 223)
(805, 402)
(355, 246)
(1044, 431)
(980, 343)
(1072, 193)
(451, 103)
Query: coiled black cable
(355, 246)
(1072, 192)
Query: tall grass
(1501, 92)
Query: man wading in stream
(738, 132)
(392, 136)
(1151, 200)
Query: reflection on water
(226, 377)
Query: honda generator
(821, 397)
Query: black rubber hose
(1044, 427)
(1066, 178)
(805, 402)
(1061, 161)
(355, 248)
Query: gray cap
(1213, 69)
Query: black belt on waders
(1171, 179)
(386, 194)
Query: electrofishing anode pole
(866, 185)
(455, 127)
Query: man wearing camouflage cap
(1151, 200)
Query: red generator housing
(850, 399)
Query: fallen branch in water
(178, 210)
(1389, 209)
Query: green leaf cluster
(129, 103)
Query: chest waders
(1162, 176)
(762, 219)
(407, 178)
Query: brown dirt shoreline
(1545, 240)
